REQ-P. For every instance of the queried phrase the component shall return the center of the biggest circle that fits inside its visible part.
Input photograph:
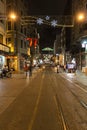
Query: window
(9, 25)
(21, 43)
(9, 39)
(2, 0)
(24, 44)
(9, 9)
(86, 5)
(25, 31)
(21, 13)
(1, 38)
(21, 29)
(2, 21)
(15, 27)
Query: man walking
(30, 69)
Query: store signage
(4, 48)
(32, 41)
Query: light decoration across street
(39, 21)
(42, 21)
(47, 17)
(54, 21)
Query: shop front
(2, 61)
(4, 50)
(12, 62)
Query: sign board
(4, 48)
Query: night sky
(47, 7)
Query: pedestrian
(26, 68)
(30, 69)
(5, 70)
(64, 67)
(58, 68)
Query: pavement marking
(81, 88)
(83, 104)
(36, 106)
(63, 121)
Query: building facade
(16, 33)
(59, 48)
(4, 49)
(79, 32)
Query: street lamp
(13, 16)
(80, 17)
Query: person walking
(26, 68)
(30, 69)
(58, 68)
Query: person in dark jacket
(30, 70)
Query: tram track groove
(58, 105)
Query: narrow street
(45, 101)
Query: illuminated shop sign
(4, 48)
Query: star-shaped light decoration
(54, 23)
(39, 21)
(47, 17)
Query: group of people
(6, 72)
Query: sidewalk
(23, 74)
(81, 77)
